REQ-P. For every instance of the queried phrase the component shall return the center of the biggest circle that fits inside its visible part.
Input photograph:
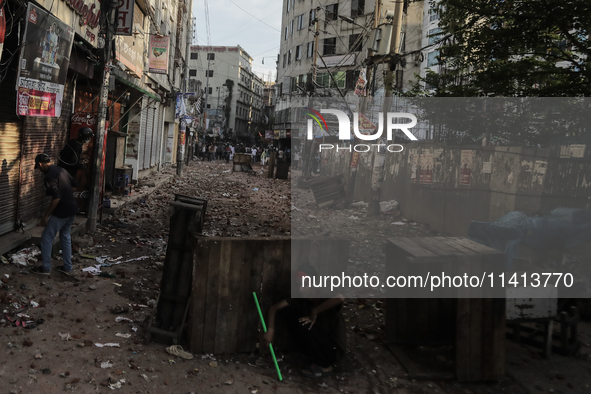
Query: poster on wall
(466, 157)
(426, 173)
(83, 176)
(158, 54)
(43, 64)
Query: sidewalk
(143, 189)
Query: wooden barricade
(226, 271)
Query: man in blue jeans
(59, 216)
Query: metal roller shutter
(157, 135)
(149, 135)
(42, 134)
(142, 138)
(10, 154)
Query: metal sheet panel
(142, 137)
(10, 152)
(47, 135)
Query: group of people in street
(226, 151)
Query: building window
(357, 8)
(311, 49)
(330, 46)
(351, 79)
(355, 42)
(434, 35)
(208, 73)
(332, 12)
(432, 59)
(210, 90)
(284, 59)
(288, 5)
(208, 105)
(402, 47)
(312, 17)
(298, 54)
(289, 57)
(433, 16)
(300, 22)
(291, 28)
(194, 55)
(211, 56)
(285, 36)
(192, 73)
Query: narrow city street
(85, 333)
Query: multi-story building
(142, 129)
(344, 29)
(227, 77)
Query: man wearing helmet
(69, 157)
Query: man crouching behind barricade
(315, 324)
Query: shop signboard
(158, 54)
(81, 15)
(43, 64)
(124, 17)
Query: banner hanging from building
(158, 55)
(360, 89)
(43, 65)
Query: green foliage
(523, 48)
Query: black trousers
(313, 343)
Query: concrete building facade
(225, 73)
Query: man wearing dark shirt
(59, 216)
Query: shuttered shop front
(42, 134)
(10, 151)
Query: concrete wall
(532, 180)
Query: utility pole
(108, 8)
(316, 34)
(180, 156)
(373, 208)
(353, 165)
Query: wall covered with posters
(448, 186)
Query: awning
(135, 83)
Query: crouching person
(315, 324)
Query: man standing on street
(59, 216)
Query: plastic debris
(256, 189)
(26, 256)
(106, 364)
(65, 337)
(399, 223)
(121, 318)
(294, 208)
(123, 335)
(107, 345)
(388, 206)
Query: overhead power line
(263, 22)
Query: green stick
(256, 300)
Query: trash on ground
(107, 345)
(106, 364)
(399, 223)
(359, 204)
(123, 335)
(388, 206)
(26, 256)
(65, 337)
(121, 318)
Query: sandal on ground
(178, 351)
(40, 271)
(314, 371)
